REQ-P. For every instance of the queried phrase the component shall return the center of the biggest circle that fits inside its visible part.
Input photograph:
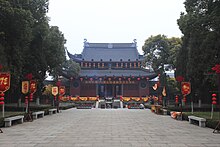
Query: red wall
(131, 90)
(134, 90)
(75, 91)
(88, 90)
(144, 91)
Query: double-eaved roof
(108, 52)
(111, 52)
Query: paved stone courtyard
(107, 128)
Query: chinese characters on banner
(33, 86)
(4, 82)
(186, 88)
(25, 87)
(54, 90)
(62, 90)
(29, 86)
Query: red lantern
(121, 98)
(184, 99)
(176, 99)
(2, 99)
(81, 79)
(216, 68)
(129, 79)
(138, 79)
(2, 94)
(31, 97)
(214, 99)
(214, 102)
(26, 100)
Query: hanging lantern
(121, 98)
(138, 79)
(184, 99)
(91, 79)
(214, 99)
(129, 79)
(2, 98)
(81, 79)
(119, 79)
(176, 99)
(31, 97)
(26, 100)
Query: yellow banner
(54, 90)
(25, 87)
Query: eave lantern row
(113, 78)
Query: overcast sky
(114, 21)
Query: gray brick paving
(107, 128)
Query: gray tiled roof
(110, 51)
(116, 73)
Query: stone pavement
(107, 128)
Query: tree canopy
(28, 44)
(160, 51)
(201, 42)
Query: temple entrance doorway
(109, 90)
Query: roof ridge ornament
(86, 44)
(134, 44)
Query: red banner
(4, 81)
(33, 86)
(186, 88)
(62, 90)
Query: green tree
(200, 50)
(70, 69)
(160, 51)
(27, 43)
(15, 35)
